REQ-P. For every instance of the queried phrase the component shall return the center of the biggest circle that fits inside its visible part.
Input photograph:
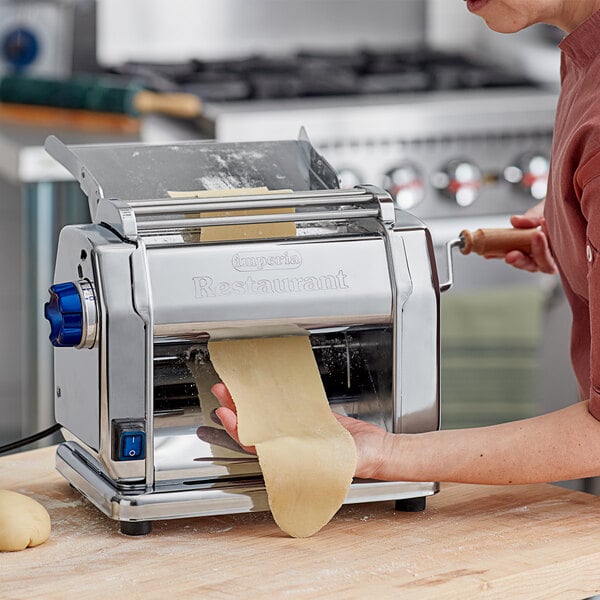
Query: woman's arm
(560, 445)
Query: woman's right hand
(227, 414)
(374, 446)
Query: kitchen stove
(311, 73)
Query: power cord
(29, 440)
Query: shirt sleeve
(590, 203)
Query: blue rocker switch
(132, 445)
(130, 441)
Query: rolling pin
(495, 243)
(97, 94)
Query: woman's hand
(374, 447)
(227, 414)
(540, 259)
(373, 444)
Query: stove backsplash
(178, 30)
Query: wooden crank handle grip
(496, 243)
(185, 106)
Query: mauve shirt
(573, 203)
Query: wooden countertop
(534, 541)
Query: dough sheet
(307, 458)
(240, 232)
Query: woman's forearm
(561, 445)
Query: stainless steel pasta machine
(137, 293)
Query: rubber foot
(411, 504)
(136, 527)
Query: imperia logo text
(266, 261)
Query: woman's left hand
(540, 259)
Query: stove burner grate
(317, 74)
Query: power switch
(129, 441)
(132, 445)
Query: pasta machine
(138, 293)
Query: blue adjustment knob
(65, 314)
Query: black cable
(29, 440)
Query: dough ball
(23, 522)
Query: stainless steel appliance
(137, 294)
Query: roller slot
(349, 363)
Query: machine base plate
(135, 510)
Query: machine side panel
(416, 351)
(77, 371)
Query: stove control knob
(20, 48)
(530, 174)
(460, 180)
(405, 185)
(72, 314)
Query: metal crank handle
(496, 243)
(489, 243)
(446, 285)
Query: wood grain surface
(536, 541)
(69, 118)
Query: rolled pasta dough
(307, 458)
(253, 231)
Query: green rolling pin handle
(97, 94)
